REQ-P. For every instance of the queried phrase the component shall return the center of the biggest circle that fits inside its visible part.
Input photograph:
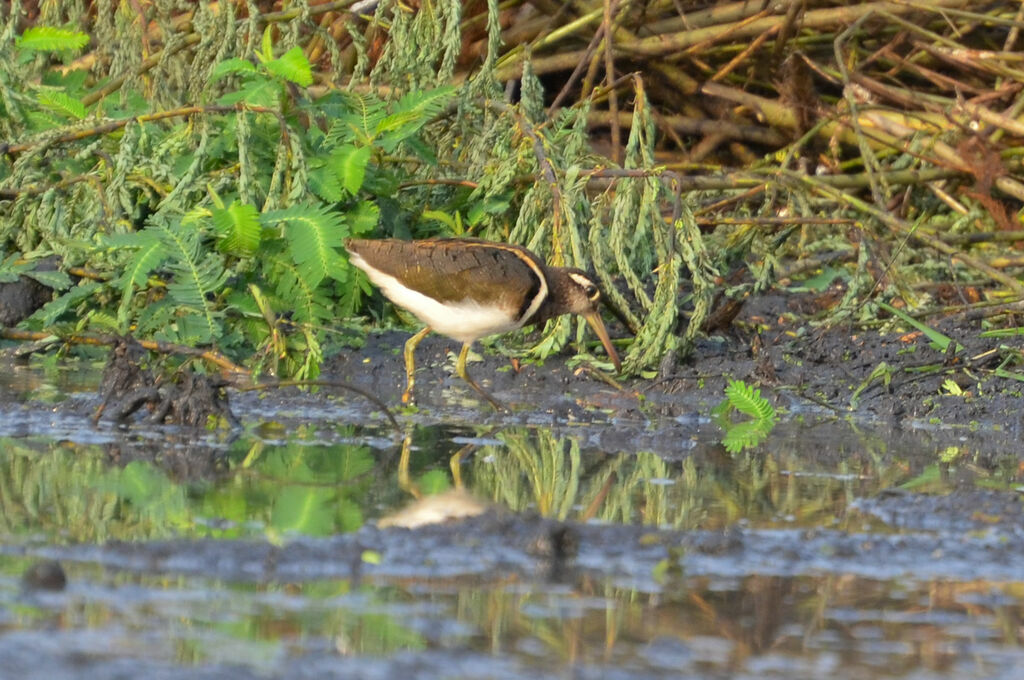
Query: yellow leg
(410, 363)
(460, 368)
(404, 478)
(455, 463)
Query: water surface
(611, 549)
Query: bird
(467, 289)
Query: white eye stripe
(590, 289)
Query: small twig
(113, 125)
(696, 126)
(829, 17)
(602, 376)
(741, 58)
(983, 237)
(212, 356)
(578, 71)
(814, 262)
(547, 168)
(276, 384)
(438, 182)
(774, 221)
(609, 73)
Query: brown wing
(451, 270)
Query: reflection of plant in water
(790, 484)
(747, 400)
(536, 469)
(369, 628)
(73, 491)
(309, 489)
(780, 618)
(195, 625)
(748, 614)
(657, 492)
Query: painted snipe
(468, 289)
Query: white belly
(465, 321)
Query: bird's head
(573, 291)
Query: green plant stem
(112, 125)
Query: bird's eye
(591, 291)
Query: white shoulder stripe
(542, 290)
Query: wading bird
(468, 289)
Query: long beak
(594, 319)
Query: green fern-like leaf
(51, 278)
(154, 319)
(102, 321)
(47, 315)
(12, 268)
(412, 112)
(314, 235)
(52, 39)
(324, 182)
(258, 91)
(190, 329)
(748, 400)
(239, 227)
(306, 303)
(342, 131)
(198, 276)
(358, 122)
(150, 252)
(349, 164)
(60, 102)
(310, 355)
(362, 218)
(292, 66)
(230, 66)
(745, 435)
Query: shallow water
(607, 549)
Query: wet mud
(497, 546)
(893, 376)
(131, 386)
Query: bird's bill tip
(594, 319)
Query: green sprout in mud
(881, 373)
(747, 400)
(952, 388)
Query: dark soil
(802, 368)
(496, 545)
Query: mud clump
(44, 575)
(131, 384)
(20, 298)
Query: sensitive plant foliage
(222, 267)
(747, 400)
(204, 197)
(50, 39)
(118, 117)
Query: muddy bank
(894, 377)
(499, 545)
